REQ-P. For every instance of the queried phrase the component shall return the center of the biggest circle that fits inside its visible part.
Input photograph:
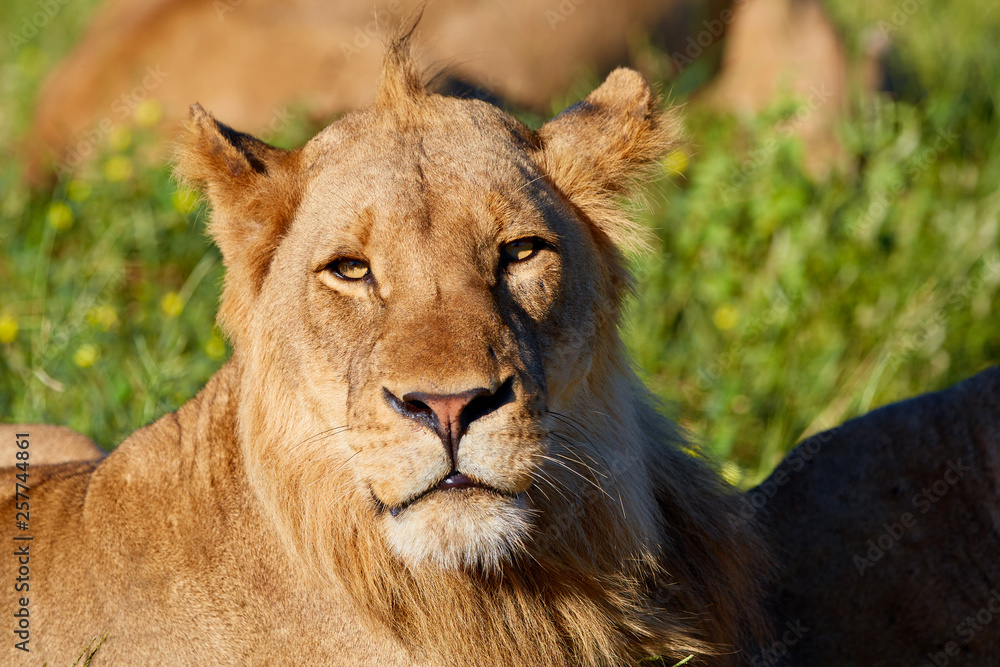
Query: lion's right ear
(601, 148)
(254, 190)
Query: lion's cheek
(567, 367)
(457, 530)
(569, 343)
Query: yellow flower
(8, 328)
(148, 113)
(60, 216)
(78, 190)
(86, 355)
(118, 169)
(103, 316)
(676, 162)
(184, 201)
(120, 138)
(172, 304)
(725, 318)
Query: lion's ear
(254, 190)
(597, 149)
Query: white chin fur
(467, 529)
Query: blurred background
(825, 241)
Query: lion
(429, 446)
(887, 531)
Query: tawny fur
(52, 444)
(252, 526)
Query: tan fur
(290, 514)
(49, 444)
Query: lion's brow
(363, 224)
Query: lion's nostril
(418, 406)
(449, 415)
(484, 404)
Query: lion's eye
(520, 250)
(350, 269)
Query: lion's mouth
(455, 481)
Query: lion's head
(436, 410)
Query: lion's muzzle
(449, 415)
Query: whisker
(578, 474)
(541, 491)
(343, 495)
(596, 484)
(564, 440)
(578, 427)
(315, 455)
(580, 462)
(594, 412)
(556, 485)
(527, 552)
(574, 423)
(545, 476)
(596, 450)
(335, 470)
(324, 434)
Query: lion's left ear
(597, 149)
(254, 190)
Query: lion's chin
(466, 529)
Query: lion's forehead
(397, 202)
(392, 173)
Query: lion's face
(418, 298)
(441, 301)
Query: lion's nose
(449, 415)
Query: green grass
(90, 650)
(778, 304)
(774, 304)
